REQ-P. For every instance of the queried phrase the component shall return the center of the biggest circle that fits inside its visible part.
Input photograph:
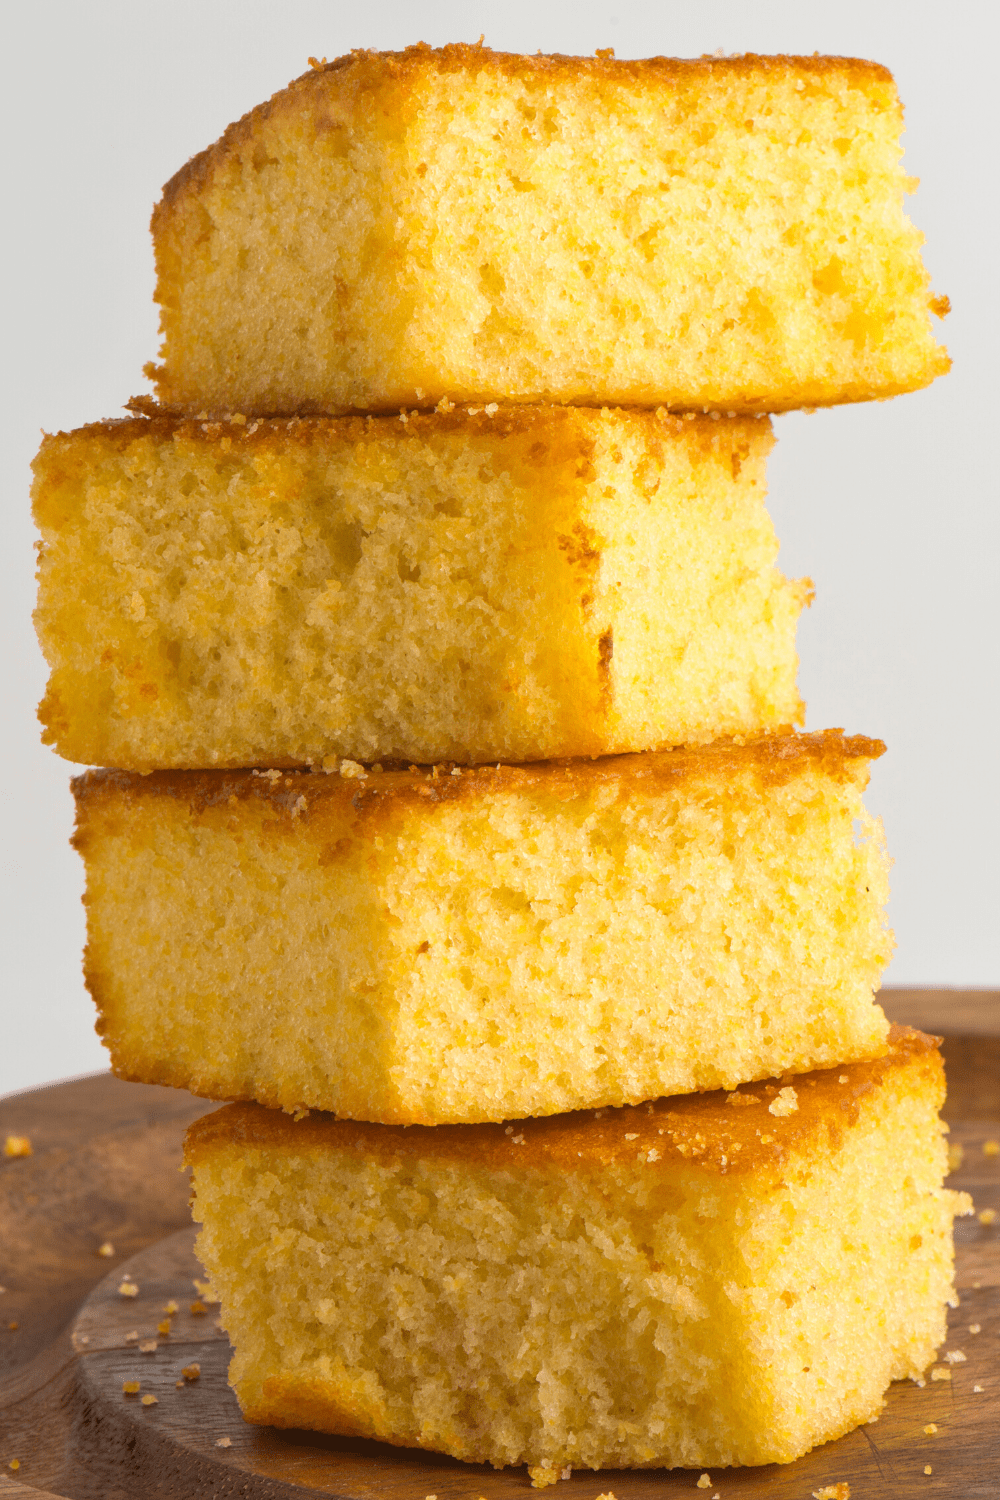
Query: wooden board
(105, 1168)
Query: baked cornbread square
(431, 947)
(513, 584)
(682, 1283)
(392, 228)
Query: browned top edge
(363, 69)
(774, 758)
(496, 421)
(705, 1130)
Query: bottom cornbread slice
(708, 1280)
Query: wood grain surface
(104, 1168)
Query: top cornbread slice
(721, 233)
(712, 1280)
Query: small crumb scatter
(631, 1136)
(840, 1491)
(13, 1327)
(149, 1401)
(14, 1464)
(170, 1308)
(83, 1338)
(609, 1495)
(565, 1473)
(352, 770)
(223, 1442)
(17, 1145)
(930, 1429)
(198, 1308)
(107, 1249)
(990, 1148)
(978, 1390)
(955, 1357)
(928, 1469)
(147, 1346)
(940, 1372)
(786, 1103)
(542, 1475)
(128, 1289)
(843, 1078)
(988, 1216)
(191, 1372)
(456, 770)
(652, 1154)
(163, 1328)
(517, 1140)
(975, 1328)
(130, 1387)
(704, 1483)
(956, 1155)
(132, 1335)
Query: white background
(891, 508)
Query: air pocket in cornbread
(514, 584)
(432, 946)
(393, 228)
(701, 1281)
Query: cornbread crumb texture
(530, 583)
(576, 1300)
(722, 233)
(423, 947)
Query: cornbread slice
(431, 947)
(393, 228)
(505, 585)
(683, 1283)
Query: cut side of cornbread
(515, 584)
(701, 1281)
(720, 233)
(427, 946)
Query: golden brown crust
(363, 72)
(774, 758)
(706, 1130)
(264, 434)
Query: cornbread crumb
(198, 1308)
(192, 1371)
(224, 1442)
(786, 1103)
(107, 1249)
(542, 1475)
(991, 1148)
(15, 1463)
(170, 1307)
(931, 1428)
(149, 1400)
(147, 1346)
(940, 1372)
(132, 1336)
(17, 1145)
(956, 1155)
(128, 1289)
(928, 1469)
(163, 1328)
(978, 1390)
(955, 1357)
(841, 1491)
(704, 1483)
(987, 1216)
(975, 1328)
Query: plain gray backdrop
(890, 508)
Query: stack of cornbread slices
(431, 632)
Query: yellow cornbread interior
(722, 233)
(479, 948)
(502, 586)
(630, 1306)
